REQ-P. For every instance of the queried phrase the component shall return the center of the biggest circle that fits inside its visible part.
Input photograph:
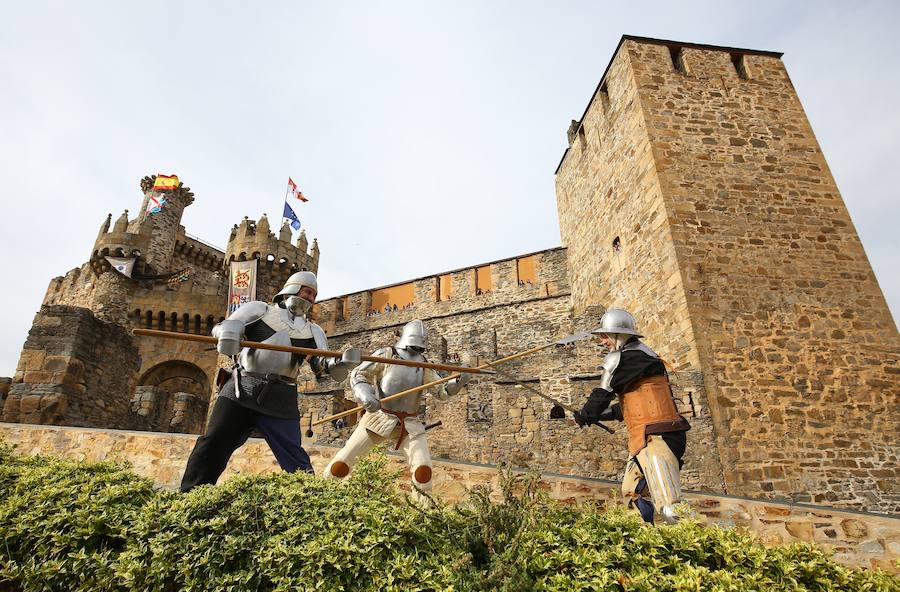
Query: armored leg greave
(660, 468)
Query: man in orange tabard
(656, 432)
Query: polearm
(485, 366)
(568, 408)
(306, 351)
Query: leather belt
(401, 415)
(269, 377)
(237, 371)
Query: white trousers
(414, 447)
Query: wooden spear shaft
(436, 382)
(306, 351)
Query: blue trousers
(229, 426)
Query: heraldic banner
(242, 287)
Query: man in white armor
(261, 392)
(656, 432)
(397, 421)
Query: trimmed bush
(67, 525)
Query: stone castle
(693, 193)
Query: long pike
(306, 351)
(483, 368)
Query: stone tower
(694, 194)
(166, 222)
(278, 258)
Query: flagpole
(286, 190)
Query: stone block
(800, 530)
(30, 404)
(55, 363)
(11, 408)
(854, 529)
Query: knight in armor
(635, 375)
(261, 392)
(397, 421)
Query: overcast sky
(424, 133)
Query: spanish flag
(165, 182)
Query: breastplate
(283, 329)
(397, 379)
(648, 402)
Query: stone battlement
(505, 282)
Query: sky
(424, 133)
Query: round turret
(277, 257)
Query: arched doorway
(173, 396)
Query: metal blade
(573, 338)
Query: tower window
(444, 288)
(525, 272)
(740, 65)
(617, 245)
(482, 280)
(677, 54)
(604, 94)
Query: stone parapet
(450, 293)
(857, 538)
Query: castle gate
(173, 396)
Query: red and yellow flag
(165, 182)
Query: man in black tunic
(656, 432)
(261, 392)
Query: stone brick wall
(74, 370)
(738, 255)
(620, 249)
(797, 342)
(857, 539)
(495, 420)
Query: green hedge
(68, 525)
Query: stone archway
(173, 396)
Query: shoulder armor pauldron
(610, 363)
(639, 346)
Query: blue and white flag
(155, 204)
(124, 265)
(290, 215)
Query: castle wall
(620, 251)
(74, 370)
(797, 342)
(493, 420)
(739, 259)
(857, 539)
